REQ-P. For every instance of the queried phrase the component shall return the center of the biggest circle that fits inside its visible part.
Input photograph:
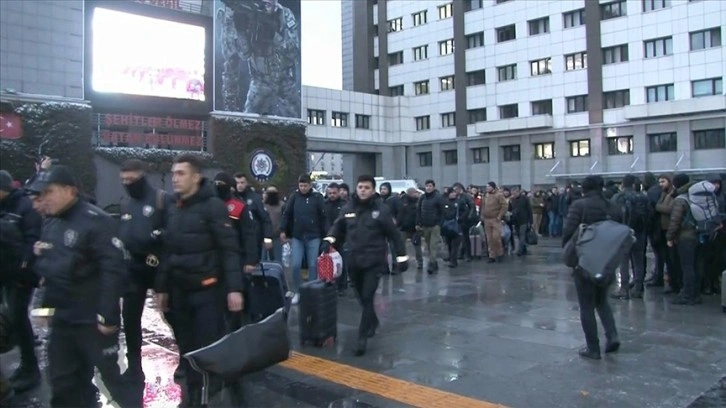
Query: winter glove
(325, 247)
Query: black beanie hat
(680, 180)
(592, 183)
(225, 178)
(6, 181)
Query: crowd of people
(194, 248)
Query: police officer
(142, 219)
(18, 277)
(253, 201)
(243, 220)
(364, 225)
(82, 264)
(200, 276)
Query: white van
(398, 186)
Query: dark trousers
(133, 307)
(365, 282)
(660, 250)
(675, 272)
(687, 252)
(21, 296)
(521, 232)
(454, 243)
(199, 320)
(465, 243)
(73, 352)
(713, 254)
(590, 299)
(637, 259)
(342, 280)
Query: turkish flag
(10, 126)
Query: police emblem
(230, 207)
(126, 217)
(262, 165)
(147, 210)
(70, 237)
(375, 214)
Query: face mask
(137, 188)
(273, 198)
(224, 192)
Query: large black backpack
(635, 210)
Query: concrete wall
(41, 47)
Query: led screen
(137, 55)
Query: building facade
(532, 92)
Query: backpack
(704, 213)
(635, 211)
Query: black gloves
(324, 247)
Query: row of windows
(338, 119)
(621, 145)
(657, 47)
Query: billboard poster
(257, 57)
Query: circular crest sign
(262, 165)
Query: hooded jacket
(678, 229)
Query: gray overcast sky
(321, 43)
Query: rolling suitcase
(475, 241)
(723, 291)
(318, 313)
(266, 291)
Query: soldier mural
(258, 57)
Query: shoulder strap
(160, 198)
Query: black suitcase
(266, 291)
(318, 308)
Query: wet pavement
(505, 333)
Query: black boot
(360, 347)
(372, 330)
(612, 346)
(134, 373)
(592, 354)
(27, 376)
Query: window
(395, 58)
(507, 72)
(580, 148)
(423, 122)
(421, 53)
(362, 121)
(448, 119)
(316, 117)
(339, 119)
(574, 18)
(658, 47)
(706, 87)
(613, 10)
(506, 33)
(476, 78)
(544, 151)
(475, 40)
(706, 39)
(425, 159)
(511, 153)
(396, 90)
(663, 142)
(577, 104)
(615, 54)
(450, 157)
(709, 139)
(509, 111)
(543, 107)
(446, 83)
(477, 115)
(445, 11)
(470, 5)
(539, 26)
(446, 47)
(650, 5)
(576, 61)
(480, 155)
(421, 87)
(616, 99)
(395, 25)
(620, 145)
(659, 93)
(541, 67)
(419, 18)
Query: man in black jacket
(243, 219)
(254, 202)
(81, 262)
(333, 204)
(521, 218)
(366, 225)
(407, 223)
(429, 214)
(304, 224)
(18, 277)
(200, 273)
(471, 218)
(142, 219)
(593, 207)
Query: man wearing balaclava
(142, 220)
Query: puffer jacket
(593, 207)
(495, 206)
(678, 229)
(663, 209)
